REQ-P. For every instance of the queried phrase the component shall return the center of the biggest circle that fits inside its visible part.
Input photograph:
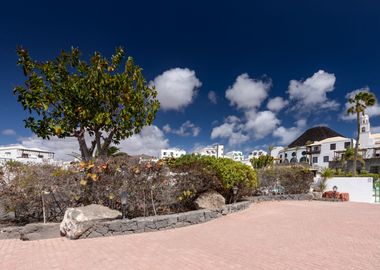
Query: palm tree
(359, 103)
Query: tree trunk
(356, 145)
(85, 153)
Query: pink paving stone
(274, 235)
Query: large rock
(210, 200)
(78, 220)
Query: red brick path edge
(273, 235)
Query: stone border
(158, 223)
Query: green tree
(359, 103)
(262, 161)
(71, 97)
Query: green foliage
(227, 172)
(262, 161)
(68, 96)
(294, 179)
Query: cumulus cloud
(371, 111)
(186, 129)
(64, 149)
(261, 124)
(232, 130)
(247, 93)
(311, 94)
(176, 88)
(287, 135)
(212, 97)
(8, 132)
(277, 104)
(149, 141)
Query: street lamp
(123, 199)
(234, 191)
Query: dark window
(294, 154)
(326, 159)
(24, 155)
(347, 145)
(286, 155)
(280, 156)
(332, 146)
(304, 153)
(316, 148)
(363, 129)
(293, 160)
(315, 159)
(374, 169)
(40, 156)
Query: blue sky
(305, 56)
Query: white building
(25, 155)
(212, 151)
(172, 153)
(369, 143)
(256, 154)
(316, 146)
(235, 155)
(276, 150)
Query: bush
(151, 189)
(219, 174)
(262, 161)
(295, 179)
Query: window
(24, 155)
(304, 153)
(280, 156)
(316, 148)
(326, 159)
(164, 153)
(363, 129)
(40, 156)
(8, 153)
(374, 169)
(286, 155)
(347, 145)
(315, 159)
(333, 146)
(294, 154)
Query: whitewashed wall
(359, 188)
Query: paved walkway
(275, 235)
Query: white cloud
(176, 88)
(247, 93)
(150, 141)
(232, 130)
(371, 111)
(287, 135)
(8, 132)
(63, 148)
(212, 97)
(277, 104)
(261, 124)
(311, 94)
(186, 129)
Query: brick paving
(273, 235)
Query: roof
(328, 140)
(20, 147)
(318, 133)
